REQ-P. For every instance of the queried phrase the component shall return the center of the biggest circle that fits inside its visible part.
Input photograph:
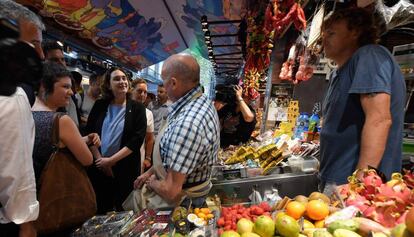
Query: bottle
(302, 124)
(313, 123)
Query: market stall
(269, 185)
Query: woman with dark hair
(55, 92)
(121, 123)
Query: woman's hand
(239, 92)
(142, 179)
(147, 163)
(105, 163)
(107, 172)
(93, 139)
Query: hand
(104, 163)
(84, 119)
(108, 172)
(147, 164)
(93, 139)
(141, 180)
(239, 92)
(360, 175)
(151, 181)
(27, 230)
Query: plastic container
(302, 124)
(313, 123)
(310, 164)
(295, 163)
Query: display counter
(287, 184)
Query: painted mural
(140, 32)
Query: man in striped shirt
(191, 139)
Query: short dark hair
(50, 45)
(137, 81)
(161, 85)
(106, 85)
(52, 73)
(77, 77)
(93, 78)
(357, 19)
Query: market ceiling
(140, 33)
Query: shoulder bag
(66, 196)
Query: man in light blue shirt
(188, 146)
(364, 107)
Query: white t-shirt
(150, 128)
(72, 112)
(86, 105)
(17, 180)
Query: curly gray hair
(12, 10)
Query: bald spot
(184, 67)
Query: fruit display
(387, 203)
(266, 157)
(231, 216)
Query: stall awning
(140, 33)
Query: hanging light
(204, 20)
(204, 28)
(208, 41)
(207, 35)
(210, 50)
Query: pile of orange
(203, 213)
(295, 209)
(315, 209)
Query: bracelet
(240, 100)
(148, 158)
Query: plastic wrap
(400, 14)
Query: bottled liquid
(313, 123)
(302, 124)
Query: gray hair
(12, 10)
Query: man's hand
(151, 182)
(142, 179)
(27, 230)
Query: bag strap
(158, 167)
(55, 143)
(55, 131)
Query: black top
(127, 169)
(43, 146)
(234, 130)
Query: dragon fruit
(409, 178)
(386, 203)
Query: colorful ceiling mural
(140, 33)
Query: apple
(244, 226)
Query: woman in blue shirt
(121, 124)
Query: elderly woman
(121, 124)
